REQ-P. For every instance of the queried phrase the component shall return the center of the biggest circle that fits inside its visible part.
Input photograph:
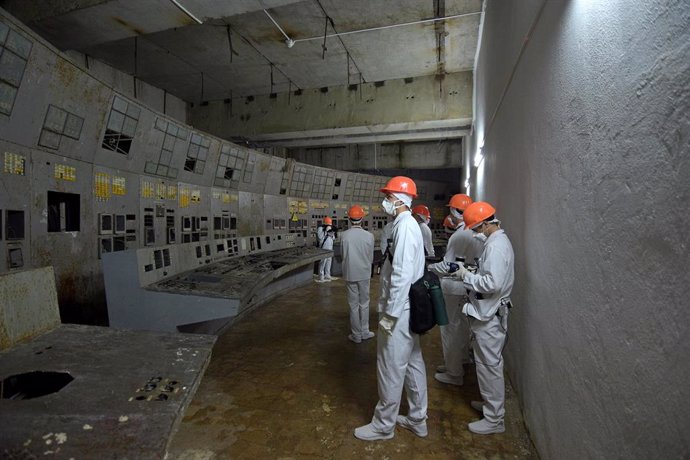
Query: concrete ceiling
(173, 51)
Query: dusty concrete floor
(286, 383)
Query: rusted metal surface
(129, 392)
(28, 305)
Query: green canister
(439, 304)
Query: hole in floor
(34, 384)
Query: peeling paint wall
(587, 158)
(123, 83)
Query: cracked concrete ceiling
(239, 51)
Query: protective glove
(440, 268)
(460, 272)
(387, 323)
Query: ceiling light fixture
(288, 41)
(186, 11)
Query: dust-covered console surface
(95, 392)
(203, 287)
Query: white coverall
(386, 234)
(358, 255)
(494, 281)
(427, 238)
(399, 360)
(325, 240)
(455, 336)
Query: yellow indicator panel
(14, 164)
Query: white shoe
(477, 405)
(368, 433)
(368, 335)
(328, 280)
(450, 380)
(332, 278)
(483, 426)
(417, 428)
(354, 339)
(441, 368)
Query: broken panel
(14, 225)
(63, 212)
(15, 256)
(122, 122)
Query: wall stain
(128, 26)
(66, 72)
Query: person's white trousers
(399, 363)
(489, 338)
(358, 300)
(325, 268)
(455, 336)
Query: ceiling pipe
(288, 41)
(186, 11)
(423, 21)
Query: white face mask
(455, 213)
(388, 207)
(480, 236)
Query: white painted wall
(587, 158)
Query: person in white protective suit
(325, 237)
(423, 216)
(399, 361)
(487, 309)
(358, 254)
(455, 336)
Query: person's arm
(403, 271)
(494, 271)
(428, 243)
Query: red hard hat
(477, 213)
(460, 201)
(401, 184)
(422, 211)
(356, 212)
(327, 221)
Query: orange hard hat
(356, 212)
(460, 201)
(327, 221)
(476, 213)
(448, 222)
(422, 211)
(401, 184)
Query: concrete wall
(399, 155)
(587, 160)
(158, 99)
(422, 100)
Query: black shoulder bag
(427, 307)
